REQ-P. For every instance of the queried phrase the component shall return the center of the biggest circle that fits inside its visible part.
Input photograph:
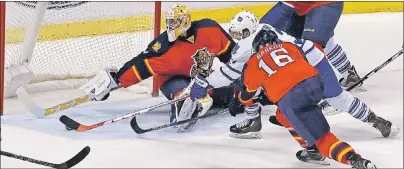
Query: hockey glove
(102, 83)
(199, 88)
(235, 106)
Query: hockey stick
(68, 164)
(325, 104)
(138, 130)
(71, 124)
(376, 70)
(40, 112)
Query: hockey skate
(358, 162)
(350, 78)
(384, 126)
(247, 129)
(275, 121)
(311, 155)
(327, 109)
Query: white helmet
(241, 23)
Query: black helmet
(264, 36)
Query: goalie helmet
(178, 21)
(243, 25)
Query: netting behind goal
(53, 45)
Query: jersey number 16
(280, 58)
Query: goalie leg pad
(192, 109)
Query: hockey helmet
(243, 25)
(264, 37)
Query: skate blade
(394, 131)
(358, 89)
(320, 162)
(316, 162)
(250, 135)
(329, 111)
(370, 165)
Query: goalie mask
(243, 25)
(178, 21)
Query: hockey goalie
(185, 50)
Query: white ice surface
(368, 39)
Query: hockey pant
(317, 25)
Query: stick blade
(135, 126)
(76, 159)
(70, 123)
(23, 96)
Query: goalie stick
(68, 164)
(40, 112)
(72, 124)
(138, 130)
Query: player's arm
(313, 54)
(227, 43)
(146, 64)
(253, 80)
(131, 73)
(220, 42)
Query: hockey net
(49, 46)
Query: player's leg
(300, 108)
(285, 123)
(339, 60)
(319, 27)
(345, 101)
(282, 17)
(170, 89)
(310, 153)
(249, 128)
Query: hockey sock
(348, 103)
(330, 146)
(359, 110)
(337, 57)
(282, 119)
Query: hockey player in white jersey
(244, 27)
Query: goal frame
(157, 31)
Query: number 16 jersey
(277, 69)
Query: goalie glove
(102, 83)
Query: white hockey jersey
(242, 52)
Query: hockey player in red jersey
(184, 50)
(315, 21)
(288, 80)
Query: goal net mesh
(66, 43)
